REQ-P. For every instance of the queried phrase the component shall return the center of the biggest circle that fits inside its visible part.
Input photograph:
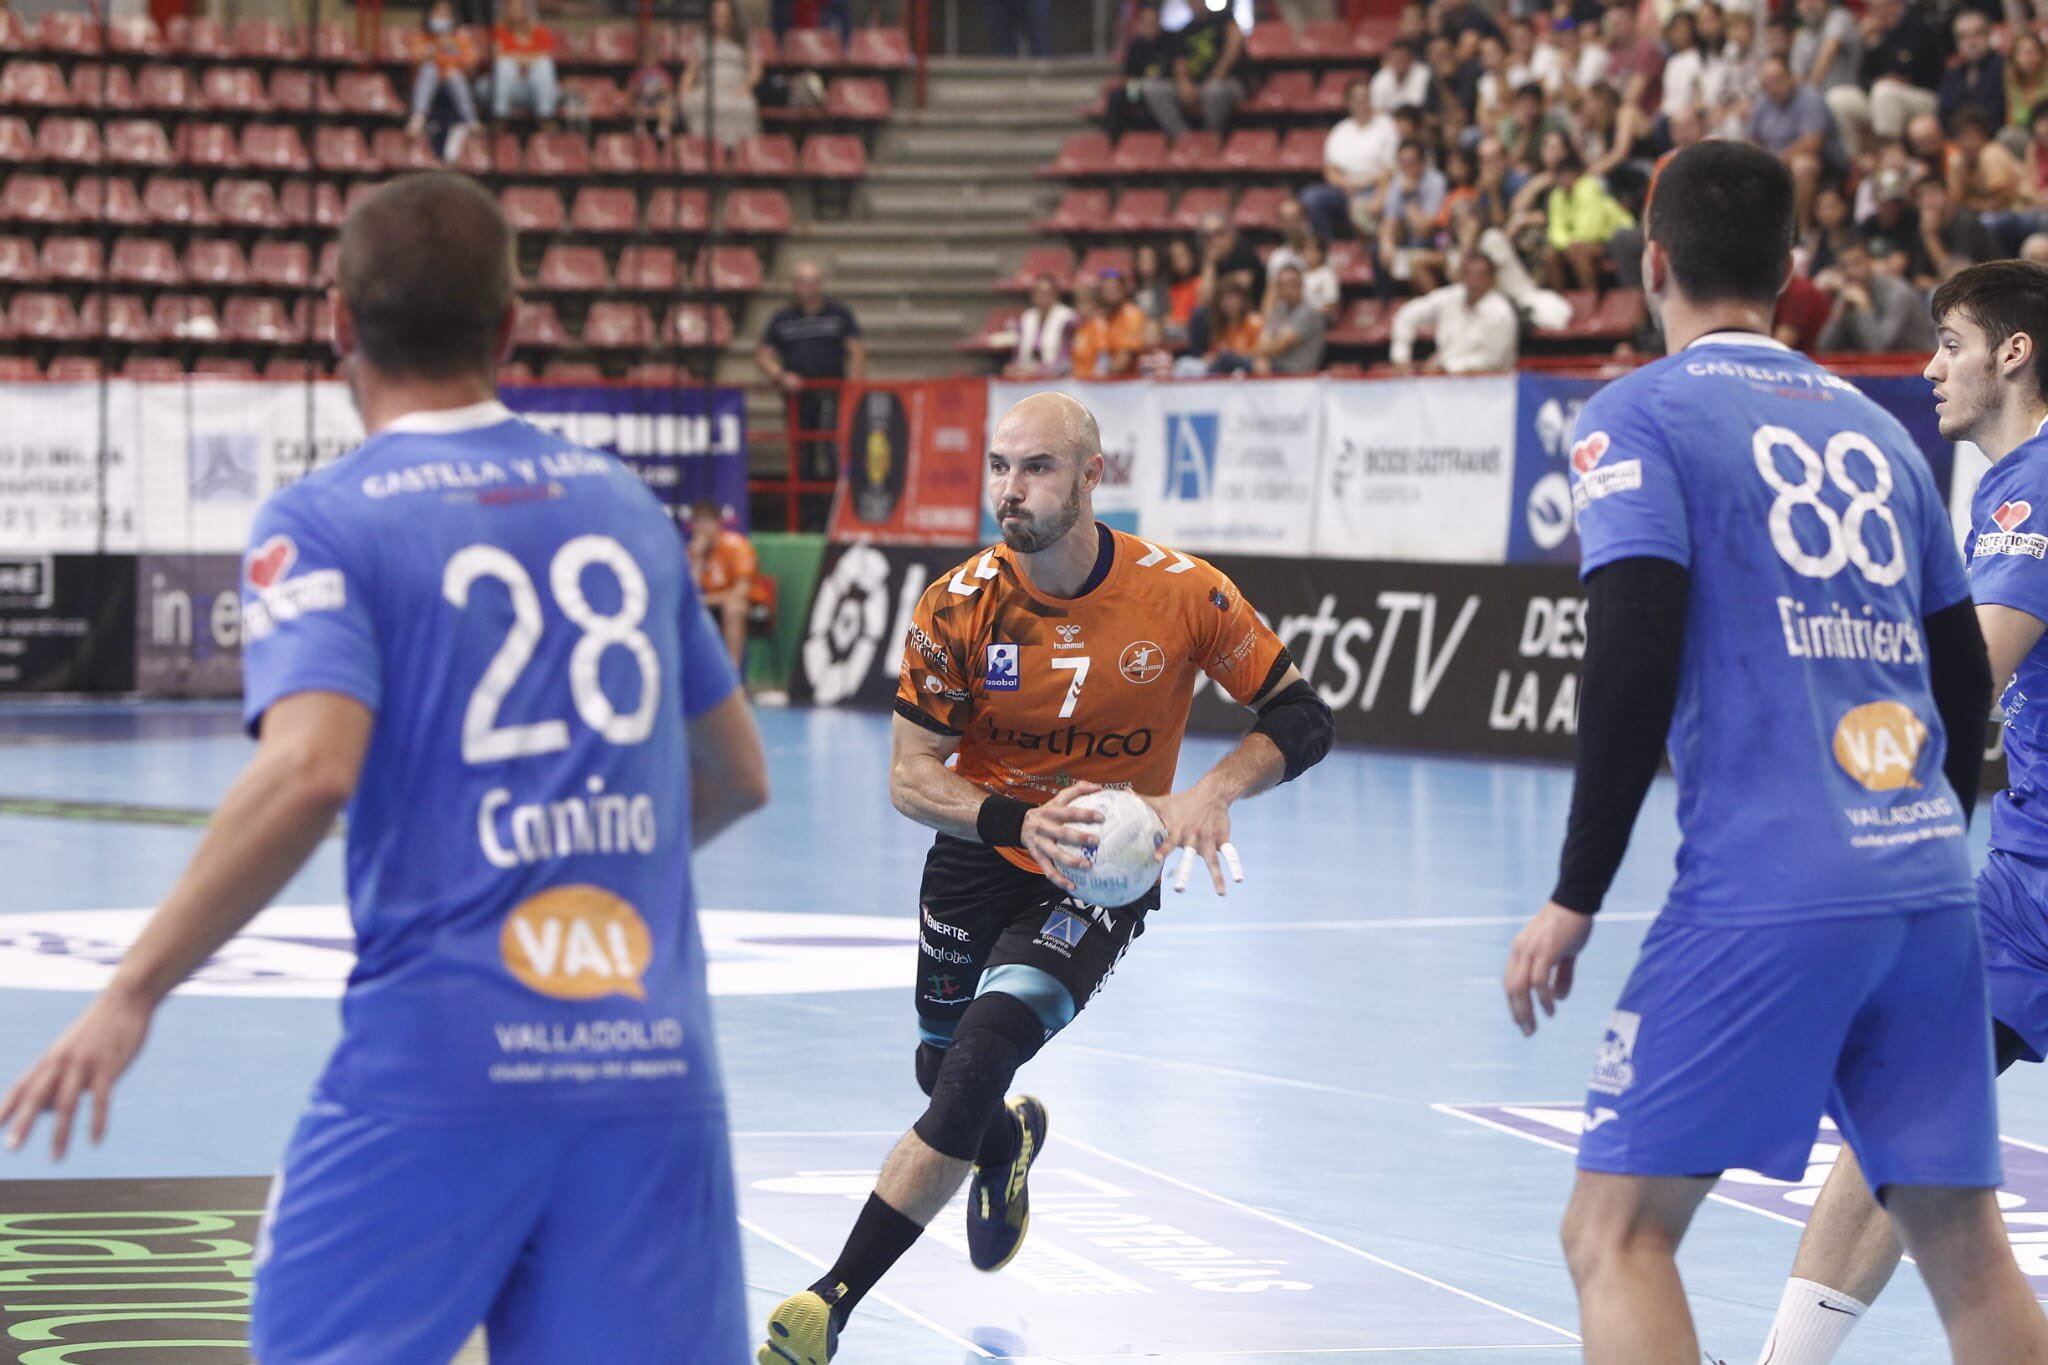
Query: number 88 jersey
(518, 615)
(1806, 744)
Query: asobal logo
(306, 951)
(1190, 455)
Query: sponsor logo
(269, 562)
(1218, 599)
(1001, 674)
(933, 684)
(1835, 632)
(935, 653)
(1600, 1116)
(1878, 744)
(937, 953)
(942, 987)
(1063, 927)
(1606, 481)
(280, 597)
(1074, 740)
(1069, 637)
(1549, 511)
(1588, 453)
(1191, 439)
(223, 465)
(2007, 540)
(939, 926)
(1614, 1065)
(27, 582)
(1142, 662)
(848, 620)
(577, 943)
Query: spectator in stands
(1873, 311)
(717, 89)
(1291, 341)
(1977, 80)
(1183, 290)
(1476, 327)
(1407, 215)
(2034, 160)
(1951, 237)
(1521, 132)
(1833, 227)
(1901, 70)
(1803, 310)
(1148, 57)
(446, 57)
(726, 568)
(1234, 334)
(1225, 256)
(1578, 59)
(523, 76)
(1927, 144)
(2026, 78)
(1012, 21)
(836, 15)
(1294, 235)
(1357, 155)
(1738, 82)
(1045, 334)
(1792, 123)
(1635, 65)
(808, 347)
(1459, 20)
(1124, 329)
(1205, 79)
(1827, 47)
(1319, 282)
(1684, 66)
(1402, 80)
(1149, 284)
(2035, 249)
(1453, 82)
(654, 101)
(1495, 188)
(1545, 309)
(1986, 180)
(1577, 219)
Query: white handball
(1121, 868)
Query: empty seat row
(84, 369)
(584, 269)
(613, 325)
(127, 320)
(1321, 40)
(154, 262)
(31, 84)
(1247, 151)
(1145, 211)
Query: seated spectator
(1576, 219)
(1149, 285)
(1901, 69)
(1791, 122)
(1635, 67)
(1802, 311)
(1873, 312)
(1045, 333)
(1126, 327)
(523, 77)
(1148, 57)
(1951, 237)
(1493, 89)
(1402, 80)
(1577, 58)
(1225, 256)
(1544, 309)
(1183, 290)
(654, 101)
(1234, 333)
(1495, 188)
(1453, 81)
(1821, 244)
(1977, 79)
(1205, 79)
(2026, 78)
(1827, 45)
(1090, 344)
(1684, 66)
(1357, 155)
(717, 89)
(1476, 327)
(1407, 216)
(1294, 237)
(1721, 62)
(725, 566)
(1986, 180)
(1521, 131)
(1319, 282)
(446, 57)
(1607, 129)
(2034, 161)
(1291, 342)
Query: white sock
(1812, 1323)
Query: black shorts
(980, 913)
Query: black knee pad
(929, 1060)
(998, 1033)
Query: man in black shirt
(1903, 58)
(1977, 80)
(1148, 60)
(1205, 56)
(815, 338)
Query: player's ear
(1656, 268)
(344, 338)
(1091, 471)
(508, 326)
(2016, 356)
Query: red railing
(793, 484)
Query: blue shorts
(568, 1239)
(2014, 911)
(1728, 1043)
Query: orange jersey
(1044, 692)
(730, 559)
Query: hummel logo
(1598, 1117)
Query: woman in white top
(1045, 334)
(717, 92)
(1683, 65)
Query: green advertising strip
(793, 559)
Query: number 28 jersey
(1806, 745)
(1044, 692)
(518, 614)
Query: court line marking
(1270, 1079)
(1313, 1235)
(911, 1313)
(1071, 1359)
(1414, 922)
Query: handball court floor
(1296, 1126)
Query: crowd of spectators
(1499, 157)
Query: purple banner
(687, 443)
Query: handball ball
(1121, 868)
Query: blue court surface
(1296, 1126)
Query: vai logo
(1142, 662)
(1878, 744)
(1001, 674)
(1589, 452)
(1190, 455)
(577, 943)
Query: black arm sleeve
(1628, 689)
(1959, 673)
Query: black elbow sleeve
(1299, 723)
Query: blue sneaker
(998, 1204)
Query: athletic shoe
(801, 1330)
(998, 1204)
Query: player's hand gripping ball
(1122, 867)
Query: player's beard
(1035, 536)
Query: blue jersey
(519, 616)
(2005, 549)
(1806, 745)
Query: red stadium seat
(185, 317)
(1327, 39)
(678, 211)
(304, 204)
(601, 96)
(1353, 264)
(169, 88)
(692, 324)
(558, 154)
(1139, 153)
(1617, 316)
(68, 141)
(135, 35)
(1259, 207)
(477, 157)
(259, 321)
(73, 260)
(533, 208)
(728, 270)
(367, 93)
(396, 150)
(1251, 149)
(537, 325)
(281, 265)
(1302, 150)
(224, 367)
(1056, 261)
(762, 41)
(617, 326)
(502, 152)
(1082, 154)
(572, 372)
(18, 369)
(117, 317)
(265, 40)
(339, 148)
(515, 372)
(320, 326)
(395, 46)
(248, 204)
(766, 154)
(1284, 92)
(604, 210)
(1374, 35)
(1140, 211)
(330, 258)
(170, 200)
(1079, 211)
(334, 42)
(102, 87)
(19, 263)
(1331, 91)
(648, 269)
(624, 154)
(112, 201)
(209, 146)
(1198, 152)
(44, 317)
(34, 199)
(357, 193)
(1102, 260)
(33, 85)
(998, 331)
(1197, 204)
(835, 156)
(76, 369)
(879, 49)
(17, 143)
(1357, 325)
(1272, 42)
(295, 90)
(578, 269)
(14, 35)
(70, 33)
(756, 212)
(152, 369)
(861, 99)
(654, 372)
(695, 156)
(613, 45)
(810, 47)
(229, 89)
(285, 369)
(204, 39)
(215, 263)
(274, 147)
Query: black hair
(1722, 211)
(1970, 116)
(2002, 298)
(427, 272)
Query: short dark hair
(1722, 211)
(1530, 90)
(1970, 116)
(707, 507)
(427, 272)
(1413, 145)
(1356, 84)
(2002, 297)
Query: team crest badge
(1142, 662)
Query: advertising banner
(188, 625)
(1419, 470)
(1237, 467)
(1131, 458)
(913, 457)
(1541, 526)
(859, 617)
(68, 469)
(65, 623)
(687, 443)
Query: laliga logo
(2012, 514)
(577, 943)
(1878, 744)
(1589, 452)
(271, 561)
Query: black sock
(879, 1238)
(999, 1141)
